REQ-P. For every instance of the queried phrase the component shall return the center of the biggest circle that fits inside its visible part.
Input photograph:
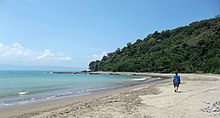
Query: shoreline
(139, 79)
(12, 111)
(127, 101)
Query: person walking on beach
(176, 82)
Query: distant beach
(198, 97)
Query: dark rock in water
(114, 74)
(82, 72)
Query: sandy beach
(198, 97)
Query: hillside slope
(192, 48)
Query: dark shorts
(176, 84)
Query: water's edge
(24, 98)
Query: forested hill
(192, 48)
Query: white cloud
(48, 55)
(15, 50)
(1, 47)
(65, 59)
(98, 56)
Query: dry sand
(199, 97)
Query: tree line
(190, 49)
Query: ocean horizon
(23, 87)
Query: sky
(72, 33)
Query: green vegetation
(190, 49)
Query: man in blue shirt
(176, 82)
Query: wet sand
(199, 97)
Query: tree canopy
(190, 49)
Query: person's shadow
(179, 92)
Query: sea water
(21, 87)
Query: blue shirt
(176, 79)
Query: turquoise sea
(21, 87)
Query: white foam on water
(6, 104)
(51, 97)
(23, 92)
(139, 79)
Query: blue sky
(73, 32)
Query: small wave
(139, 79)
(51, 97)
(22, 92)
(5, 104)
